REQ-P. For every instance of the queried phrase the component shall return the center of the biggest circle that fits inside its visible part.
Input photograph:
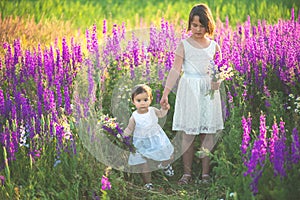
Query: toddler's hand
(125, 134)
(164, 101)
(165, 106)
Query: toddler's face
(142, 102)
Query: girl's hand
(215, 85)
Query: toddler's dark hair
(141, 88)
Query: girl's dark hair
(205, 17)
(141, 88)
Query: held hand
(165, 106)
(215, 85)
(164, 102)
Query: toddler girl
(149, 139)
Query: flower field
(63, 108)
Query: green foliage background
(83, 14)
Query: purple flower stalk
(2, 180)
(105, 184)
(280, 155)
(246, 124)
(295, 147)
(274, 138)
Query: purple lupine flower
(51, 128)
(244, 95)
(152, 47)
(115, 48)
(94, 41)
(88, 40)
(105, 184)
(254, 159)
(157, 96)
(2, 180)
(9, 140)
(109, 130)
(40, 94)
(104, 31)
(258, 154)
(91, 87)
(267, 103)
(280, 158)
(2, 103)
(266, 91)
(123, 31)
(65, 51)
(78, 54)
(0, 64)
(246, 124)
(254, 182)
(58, 95)
(135, 50)
(59, 133)
(263, 136)
(32, 132)
(67, 101)
(39, 57)
(35, 153)
(7, 108)
(280, 155)
(17, 51)
(273, 139)
(295, 147)
(95, 196)
(49, 101)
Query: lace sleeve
(175, 70)
(160, 113)
(130, 128)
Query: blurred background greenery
(83, 14)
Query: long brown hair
(205, 18)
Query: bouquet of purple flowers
(115, 133)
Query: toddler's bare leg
(166, 162)
(146, 174)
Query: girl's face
(198, 30)
(142, 102)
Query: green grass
(83, 14)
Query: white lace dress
(149, 139)
(195, 112)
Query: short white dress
(195, 112)
(149, 139)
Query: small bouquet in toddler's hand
(218, 74)
(115, 133)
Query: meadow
(67, 68)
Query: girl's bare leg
(188, 152)
(207, 143)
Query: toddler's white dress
(149, 139)
(195, 112)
